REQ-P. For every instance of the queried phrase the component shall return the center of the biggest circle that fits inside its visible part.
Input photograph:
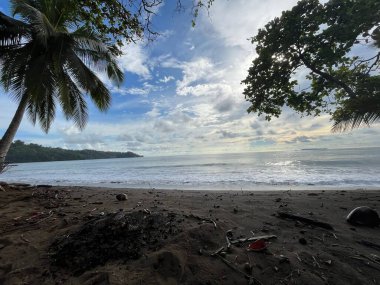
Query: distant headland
(22, 152)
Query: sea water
(300, 169)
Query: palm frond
(12, 73)
(357, 112)
(12, 30)
(72, 102)
(39, 23)
(88, 81)
(96, 54)
(41, 84)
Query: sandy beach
(179, 235)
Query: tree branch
(328, 77)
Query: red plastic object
(258, 245)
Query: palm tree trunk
(7, 139)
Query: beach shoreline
(33, 218)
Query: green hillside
(21, 152)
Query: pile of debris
(119, 235)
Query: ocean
(282, 170)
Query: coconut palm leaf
(11, 30)
(45, 62)
(357, 112)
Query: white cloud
(205, 111)
(166, 79)
(134, 60)
(243, 19)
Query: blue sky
(182, 93)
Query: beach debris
(201, 219)
(218, 251)
(328, 262)
(363, 216)
(283, 259)
(122, 197)
(302, 241)
(242, 240)
(364, 259)
(22, 237)
(247, 267)
(258, 245)
(284, 215)
(115, 236)
(228, 242)
(315, 262)
(251, 279)
(369, 244)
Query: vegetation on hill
(21, 152)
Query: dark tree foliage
(119, 22)
(21, 152)
(321, 39)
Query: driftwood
(252, 280)
(241, 240)
(364, 261)
(316, 223)
(201, 219)
(369, 244)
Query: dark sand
(32, 218)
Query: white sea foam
(319, 169)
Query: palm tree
(46, 59)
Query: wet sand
(32, 218)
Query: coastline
(32, 218)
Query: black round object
(363, 216)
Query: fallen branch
(241, 240)
(370, 259)
(201, 219)
(228, 242)
(369, 244)
(316, 223)
(219, 250)
(365, 262)
(252, 280)
(24, 238)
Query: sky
(182, 93)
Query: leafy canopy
(321, 39)
(120, 22)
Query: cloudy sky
(182, 93)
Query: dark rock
(229, 234)
(303, 241)
(283, 259)
(247, 268)
(121, 197)
(363, 216)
